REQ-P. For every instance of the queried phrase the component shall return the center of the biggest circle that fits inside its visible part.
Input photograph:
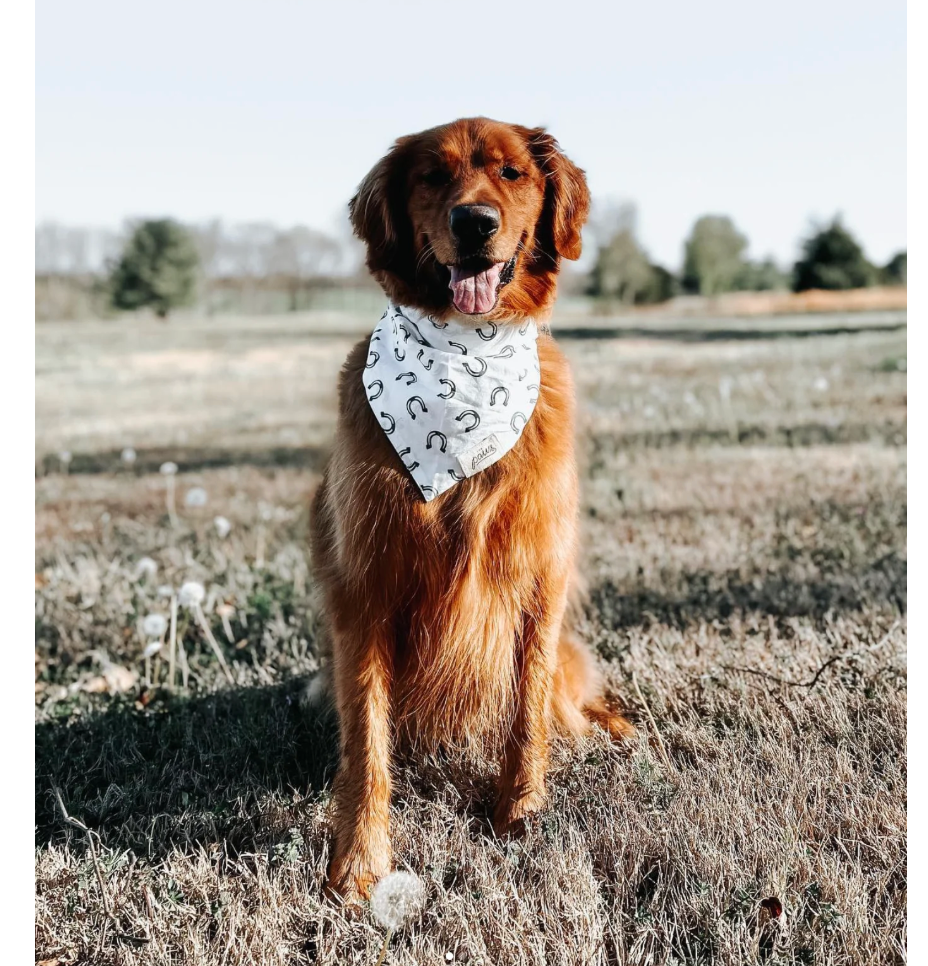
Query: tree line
(715, 261)
(162, 264)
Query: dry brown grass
(744, 522)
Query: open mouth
(475, 287)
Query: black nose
(472, 225)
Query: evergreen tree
(832, 259)
(157, 268)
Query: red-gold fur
(445, 618)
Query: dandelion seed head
(154, 625)
(195, 496)
(316, 691)
(168, 469)
(223, 527)
(396, 897)
(191, 594)
(152, 648)
(146, 567)
(128, 455)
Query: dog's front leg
(363, 673)
(525, 761)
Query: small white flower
(128, 455)
(168, 469)
(820, 384)
(64, 457)
(165, 590)
(146, 567)
(223, 527)
(191, 594)
(154, 625)
(396, 897)
(195, 496)
(152, 648)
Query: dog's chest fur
(457, 575)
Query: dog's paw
(352, 876)
(512, 811)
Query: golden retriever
(445, 618)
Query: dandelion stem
(172, 652)
(383, 948)
(204, 626)
(169, 496)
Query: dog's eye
(436, 178)
(510, 173)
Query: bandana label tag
(474, 459)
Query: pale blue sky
(772, 113)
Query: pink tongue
(474, 293)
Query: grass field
(744, 521)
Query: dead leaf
(772, 906)
(115, 679)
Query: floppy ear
(567, 198)
(378, 211)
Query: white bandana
(452, 399)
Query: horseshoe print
(522, 374)
(438, 325)
(376, 355)
(537, 391)
(452, 389)
(496, 392)
(429, 489)
(405, 452)
(473, 415)
(507, 352)
(404, 375)
(458, 345)
(390, 420)
(456, 476)
(425, 365)
(524, 328)
(483, 367)
(406, 334)
(396, 353)
(491, 336)
(420, 401)
(379, 392)
(515, 419)
(444, 440)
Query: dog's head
(472, 217)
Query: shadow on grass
(704, 596)
(236, 766)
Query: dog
(443, 596)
